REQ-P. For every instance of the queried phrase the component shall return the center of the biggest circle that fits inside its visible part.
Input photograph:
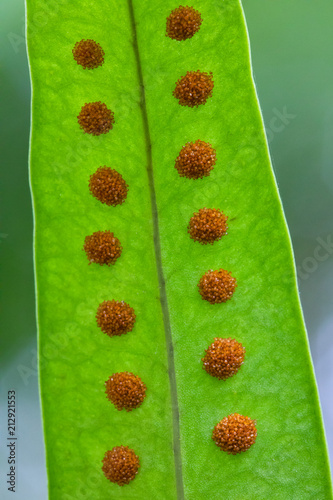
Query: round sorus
(102, 248)
(89, 54)
(108, 186)
(125, 390)
(196, 160)
(223, 358)
(208, 225)
(120, 465)
(194, 88)
(235, 433)
(95, 118)
(115, 317)
(183, 23)
(217, 286)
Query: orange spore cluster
(95, 118)
(217, 286)
(88, 53)
(194, 88)
(196, 160)
(125, 390)
(235, 433)
(115, 317)
(120, 465)
(102, 247)
(183, 23)
(208, 225)
(223, 358)
(108, 186)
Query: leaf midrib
(159, 267)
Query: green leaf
(158, 271)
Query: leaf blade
(239, 160)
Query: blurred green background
(291, 44)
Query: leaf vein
(161, 279)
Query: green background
(292, 57)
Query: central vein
(161, 280)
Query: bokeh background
(291, 44)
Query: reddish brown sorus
(115, 317)
(102, 248)
(235, 433)
(217, 286)
(223, 358)
(108, 186)
(194, 88)
(89, 54)
(120, 465)
(196, 160)
(125, 390)
(208, 225)
(183, 23)
(95, 118)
